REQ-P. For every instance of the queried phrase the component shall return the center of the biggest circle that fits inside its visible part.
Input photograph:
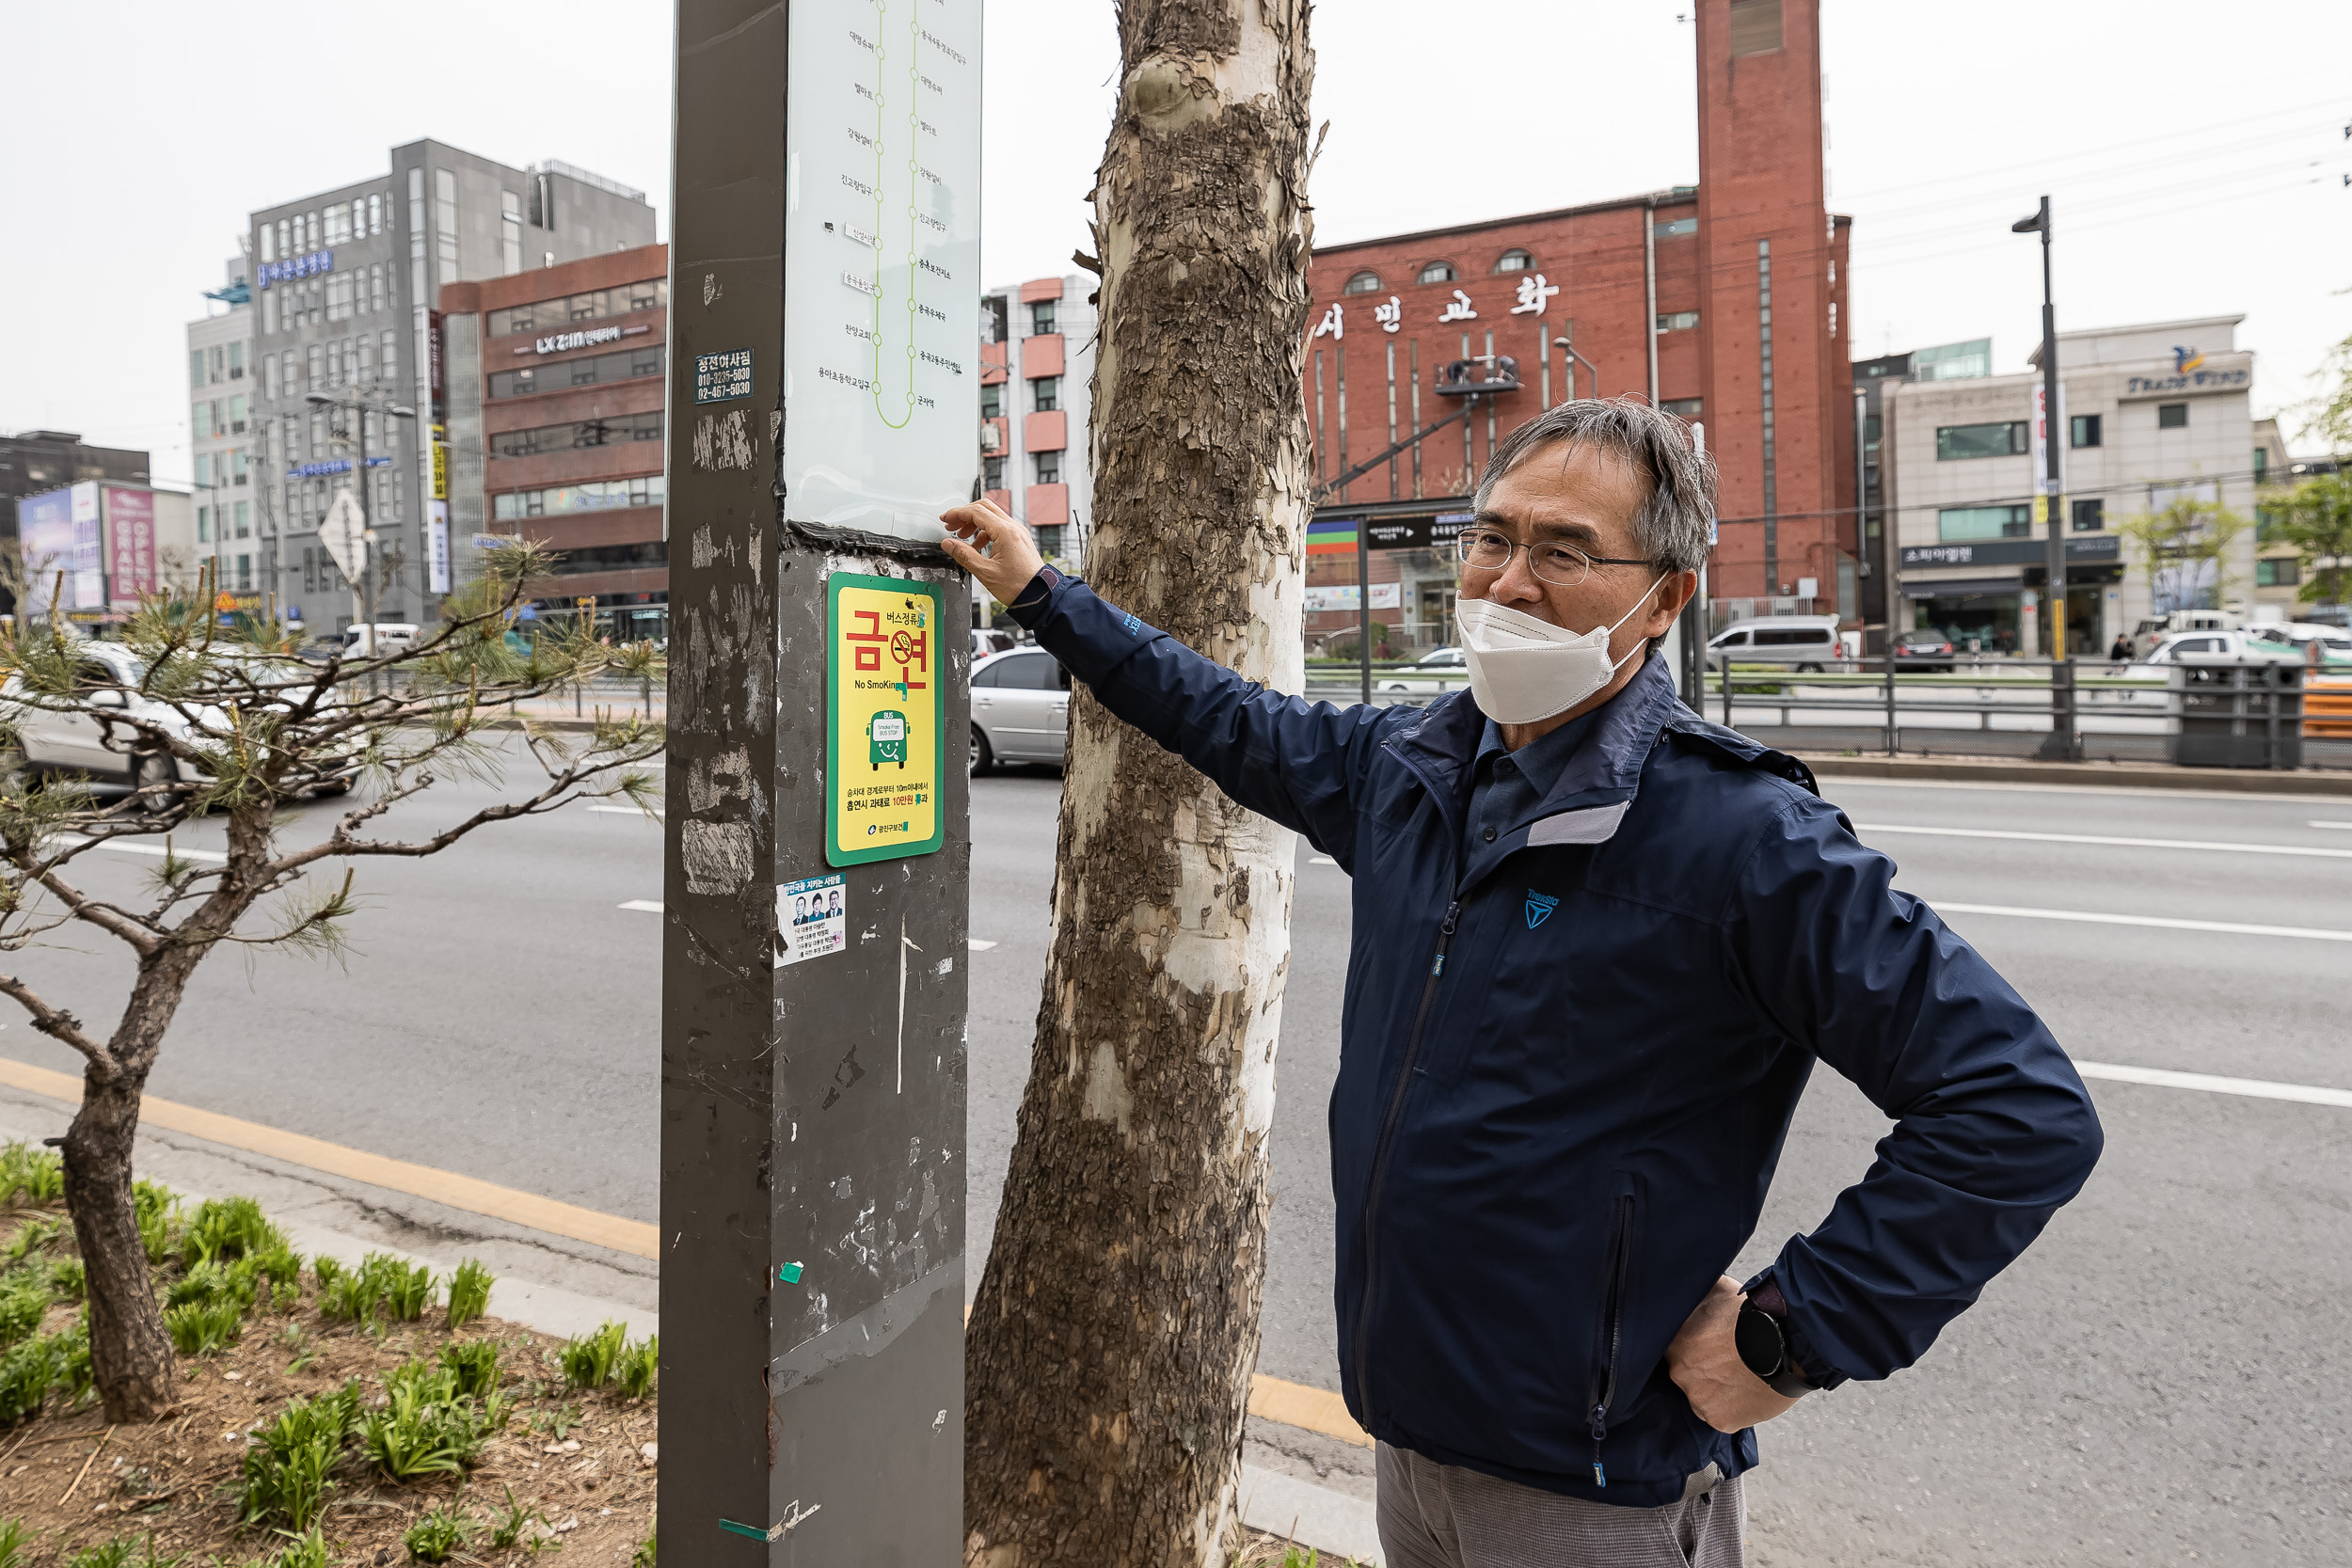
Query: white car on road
(1438, 671)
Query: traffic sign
(344, 532)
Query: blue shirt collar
(1542, 760)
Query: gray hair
(1672, 526)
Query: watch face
(1761, 1348)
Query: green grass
(225, 1228)
(476, 1366)
(12, 1547)
(285, 1479)
(643, 1556)
(26, 1374)
(21, 1309)
(426, 1426)
(439, 1535)
(30, 1174)
(205, 1327)
(634, 1372)
(588, 1360)
(125, 1552)
(468, 1292)
(307, 1550)
(156, 1207)
(401, 1290)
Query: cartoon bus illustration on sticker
(887, 734)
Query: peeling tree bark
(1109, 1353)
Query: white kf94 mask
(1523, 671)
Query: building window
(1049, 468)
(579, 373)
(1437, 272)
(1041, 318)
(2004, 439)
(1755, 26)
(540, 315)
(1683, 408)
(511, 231)
(244, 573)
(992, 473)
(572, 438)
(2087, 517)
(1046, 393)
(386, 354)
(993, 401)
(1679, 321)
(2277, 571)
(2084, 430)
(1049, 542)
(2172, 416)
(1513, 261)
(445, 222)
(598, 497)
(268, 243)
(196, 367)
(1960, 525)
(203, 514)
(995, 318)
(245, 519)
(1673, 227)
(236, 415)
(236, 361)
(1362, 283)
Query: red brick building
(1721, 301)
(555, 379)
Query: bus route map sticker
(886, 709)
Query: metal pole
(1649, 284)
(812, 1100)
(1862, 523)
(2062, 742)
(1363, 608)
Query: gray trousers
(1437, 1515)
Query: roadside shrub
(468, 1292)
(35, 1236)
(70, 1278)
(588, 1361)
(476, 1366)
(439, 1535)
(407, 1290)
(634, 1372)
(156, 1207)
(25, 1374)
(426, 1426)
(225, 1228)
(21, 1309)
(285, 1477)
(204, 1328)
(404, 1291)
(33, 1174)
(70, 1351)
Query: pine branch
(60, 1025)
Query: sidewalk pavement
(2306, 781)
(1296, 1482)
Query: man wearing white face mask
(1597, 945)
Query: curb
(1337, 1523)
(2108, 775)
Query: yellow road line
(446, 1187)
(1271, 1399)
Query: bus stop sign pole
(823, 395)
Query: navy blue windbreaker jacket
(1568, 1063)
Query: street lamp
(1569, 349)
(361, 409)
(2062, 742)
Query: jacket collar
(1593, 790)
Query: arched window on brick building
(1437, 272)
(1363, 283)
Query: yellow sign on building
(887, 708)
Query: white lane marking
(2348, 826)
(2234, 928)
(1321, 860)
(2256, 1088)
(623, 810)
(651, 906)
(157, 850)
(977, 945)
(2189, 797)
(2104, 838)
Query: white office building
(2149, 414)
(221, 424)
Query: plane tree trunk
(1111, 1349)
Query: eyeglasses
(1488, 549)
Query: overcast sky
(2196, 152)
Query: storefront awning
(1955, 588)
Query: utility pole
(2061, 743)
(824, 389)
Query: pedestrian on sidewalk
(1598, 944)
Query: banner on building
(437, 537)
(130, 519)
(1385, 596)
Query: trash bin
(2236, 713)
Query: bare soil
(584, 1461)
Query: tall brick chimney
(1772, 355)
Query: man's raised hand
(992, 546)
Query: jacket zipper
(1620, 1259)
(1380, 1156)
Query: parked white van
(389, 638)
(1809, 642)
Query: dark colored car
(1924, 650)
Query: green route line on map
(881, 53)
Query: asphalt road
(2163, 1378)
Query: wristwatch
(1763, 1342)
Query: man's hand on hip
(992, 546)
(1703, 1361)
